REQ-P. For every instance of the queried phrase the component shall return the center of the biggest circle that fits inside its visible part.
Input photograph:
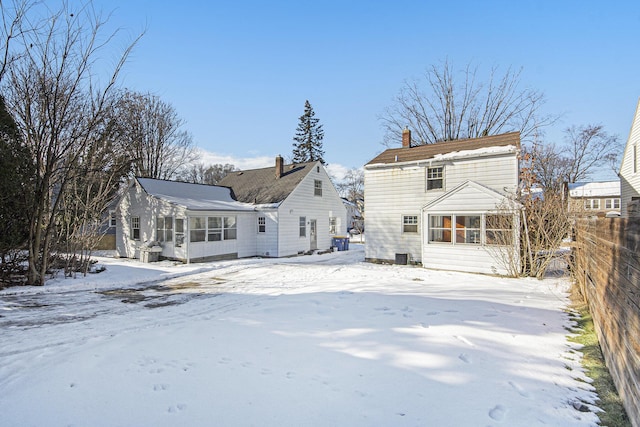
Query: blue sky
(239, 72)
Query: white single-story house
(450, 205)
(630, 170)
(272, 212)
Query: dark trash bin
(340, 243)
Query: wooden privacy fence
(607, 268)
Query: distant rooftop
(595, 189)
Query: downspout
(188, 239)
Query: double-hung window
(410, 224)
(230, 228)
(262, 224)
(435, 178)
(164, 228)
(440, 228)
(499, 229)
(593, 204)
(317, 187)
(303, 226)
(198, 229)
(612, 204)
(333, 225)
(179, 232)
(214, 229)
(135, 227)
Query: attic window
(317, 188)
(318, 169)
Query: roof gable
(484, 198)
(432, 151)
(260, 186)
(191, 196)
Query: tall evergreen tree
(16, 170)
(308, 140)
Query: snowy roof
(451, 149)
(595, 189)
(198, 197)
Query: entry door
(313, 234)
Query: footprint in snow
(160, 387)
(433, 313)
(498, 412)
(465, 358)
(522, 392)
(177, 408)
(464, 340)
(224, 360)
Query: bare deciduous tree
(352, 185)
(153, 132)
(198, 173)
(54, 92)
(588, 148)
(445, 105)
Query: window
(214, 229)
(499, 230)
(592, 204)
(468, 229)
(440, 228)
(230, 228)
(135, 227)
(317, 187)
(112, 218)
(262, 224)
(197, 229)
(635, 158)
(164, 229)
(410, 224)
(333, 225)
(612, 204)
(179, 232)
(435, 178)
(303, 226)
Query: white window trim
(443, 178)
(417, 223)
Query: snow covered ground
(321, 340)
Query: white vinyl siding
(391, 192)
(303, 203)
(629, 171)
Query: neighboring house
(298, 207)
(630, 170)
(190, 222)
(354, 217)
(448, 205)
(274, 212)
(594, 198)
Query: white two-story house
(449, 205)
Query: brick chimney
(406, 138)
(279, 166)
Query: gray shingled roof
(192, 196)
(260, 186)
(422, 152)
